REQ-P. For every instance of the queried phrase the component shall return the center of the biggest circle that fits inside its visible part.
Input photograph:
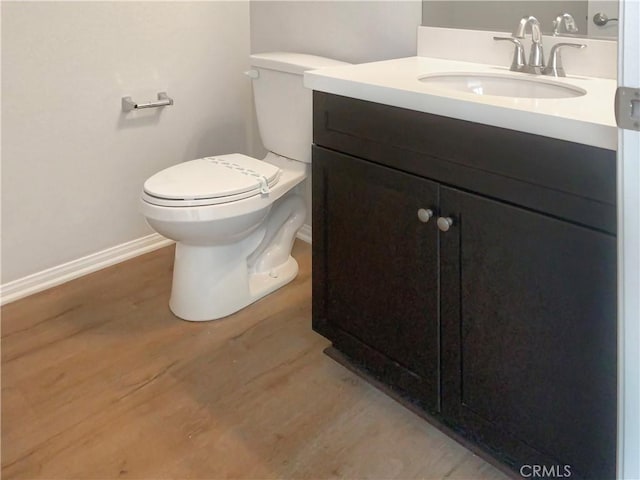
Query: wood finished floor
(101, 381)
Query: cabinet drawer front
(529, 322)
(564, 179)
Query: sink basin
(502, 85)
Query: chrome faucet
(569, 24)
(536, 55)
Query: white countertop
(588, 119)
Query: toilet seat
(211, 181)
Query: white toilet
(235, 217)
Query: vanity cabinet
(500, 324)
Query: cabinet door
(375, 268)
(529, 335)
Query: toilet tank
(283, 104)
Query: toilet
(234, 218)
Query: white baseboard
(60, 274)
(51, 277)
(304, 233)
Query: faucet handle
(554, 67)
(518, 63)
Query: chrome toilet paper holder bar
(163, 101)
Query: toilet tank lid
(289, 62)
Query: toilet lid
(234, 176)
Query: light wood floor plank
(101, 381)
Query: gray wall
(73, 164)
(354, 32)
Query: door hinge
(627, 108)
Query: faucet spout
(536, 55)
(536, 34)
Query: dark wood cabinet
(502, 327)
(529, 334)
(375, 242)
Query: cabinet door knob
(444, 223)
(424, 214)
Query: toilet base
(213, 281)
(199, 294)
(262, 284)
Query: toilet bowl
(234, 218)
(230, 254)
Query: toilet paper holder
(163, 101)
